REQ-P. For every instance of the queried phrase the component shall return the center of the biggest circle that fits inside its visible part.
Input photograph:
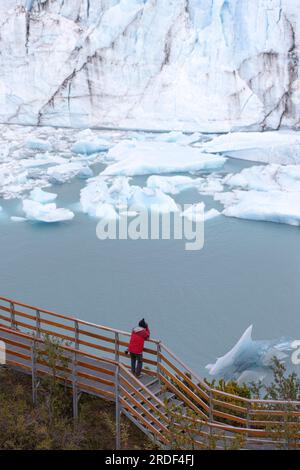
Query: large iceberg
(144, 158)
(277, 147)
(266, 178)
(269, 193)
(249, 358)
(271, 206)
(186, 64)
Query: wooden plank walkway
(96, 363)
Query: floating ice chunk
(266, 178)
(17, 219)
(195, 212)
(38, 144)
(67, 171)
(269, 147)
(48, 213)
(106, 211)
(100, 191)
(178, 137)
(249, 356)
(143, 158)
(120, 194)
(211, 214)
(210, 186)
(41, 196)
(272, 206)
(89, 147)
(152, 199)
(173, 184)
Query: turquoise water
(199, 303)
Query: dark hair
(143, 324)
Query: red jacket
(137, 339)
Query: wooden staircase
(171, 404)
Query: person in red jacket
(136, 346)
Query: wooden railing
(98, 365)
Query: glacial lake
(198, 302)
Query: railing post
(76, 325)
(12, 316)
(117, 347)
(33, 373)
(74, 386)
(38, 324)
(118, 409)
(158, 358)
(211, 406)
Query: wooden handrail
(216, 408)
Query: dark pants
(136, 363)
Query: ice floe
(39, 145)
(249, 358)
(144, 158)
(271, 206)
(175, 184)
(67, 171)
(41, 196)
(87, 147)
(119, 194)
(268, 147)
(266, 192)
(178, 137)
(266, 178)
(47, 213)
(196, 213)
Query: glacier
(196, 65)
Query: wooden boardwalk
(169, 403)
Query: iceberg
(249, 358)
(209, 184)
(179, 137)
(144, 158)
(87, 147)
(47, 213)
(38, 144)
(67, 171)
(41, 196)
(196, 213)
(118, 194)
(266, 178)
(211, 214)
(272, 206)
(269, 147)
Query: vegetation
(49, 423)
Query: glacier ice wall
(175, 64)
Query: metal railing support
(33, 373)
(75, 386)
(118, 409)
